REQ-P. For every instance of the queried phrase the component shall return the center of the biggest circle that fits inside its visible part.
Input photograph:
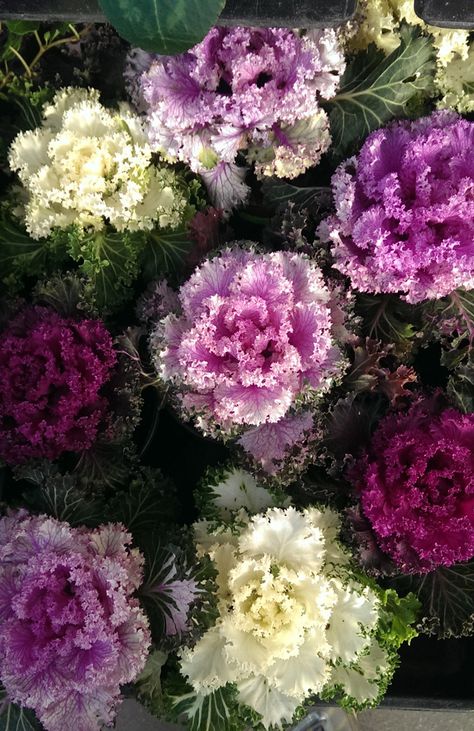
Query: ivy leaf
(163, 26)
(447, 599)
(166, 252)
(376, 88)
(279, 193)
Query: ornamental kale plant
(416, 486)
(404, 207)
(71, 630)
(293, 617)
(236, 375)
(251, 343)
(52, 372)
(252, 90)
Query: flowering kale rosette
(52, 370)
(404, 219)
(253, 90)
(416, 487)
(293, 617)
(71, 631)
(87, 166)
(251, 339)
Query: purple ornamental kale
(71, 631)
(253, 90)
(416, 486)
(253, 341)
(52, 370)
(404, 218)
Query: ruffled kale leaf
(375, 368)
(376, 88)
(389, 319)
(461, 386)
(109, 260)
(451, 321)
(149, 501)
(447, 599)
(217, 711)
(398, 616)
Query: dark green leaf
(60, 496)
(105, 464)
(447, 599)
(163, 26)
(376, 89)
(388, 318)
(21, 27)
(461, 387)
(280, 193)
(149, 501)
(109, 260)
(14, 718)
(166, 252)
(20, 255)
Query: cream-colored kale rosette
(294, 620)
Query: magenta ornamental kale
(416, 487)
(71, 632)
(51, 373)
(253, 341)
(253, 90)
(405, 209)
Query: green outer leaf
(166, 252)
(20, 255)
(279, 192)
(163, 26)
(461, 388)
(109, 260)
(14, 718)
(447, 599)
(376, 89)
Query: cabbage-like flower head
(52, 370)
(253, 90)
(404, 219)
(416, 486)
(290, 611)
(71, 631)
(88, 165)
(254, 339)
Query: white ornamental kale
(88, 165)
(294, 619)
